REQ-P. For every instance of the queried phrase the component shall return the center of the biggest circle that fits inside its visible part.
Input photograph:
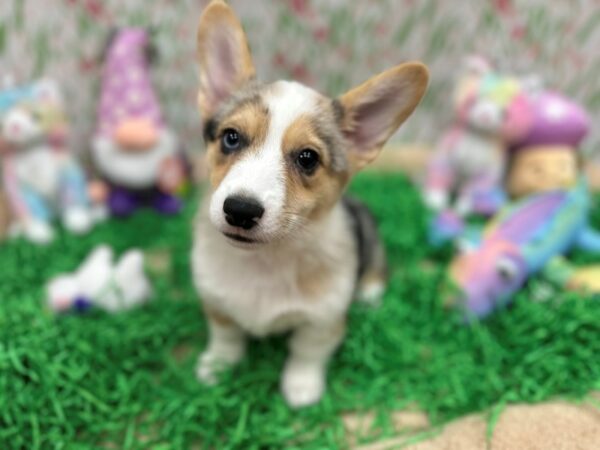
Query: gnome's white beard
(137, 170)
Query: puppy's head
(281, 154)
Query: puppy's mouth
(237, 240)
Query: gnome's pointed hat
(127, 91)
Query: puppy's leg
(311, 346)
(372, 264)
(371, 288)
(226, 347)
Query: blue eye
(231, 141)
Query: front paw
(211, 363)
(303, 384)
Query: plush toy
(520, 243)
(548, 216)
(134, 151)
(102, 283)
(40, 175)
(547, 157)
(465, 172)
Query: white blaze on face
(261, 174)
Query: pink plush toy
(492, 110)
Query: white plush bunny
(101, 282)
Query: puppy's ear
(223, 55)
(374, 110)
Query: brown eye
(307, 161)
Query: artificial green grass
(127, 380)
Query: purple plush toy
(134, 151)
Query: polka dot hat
(127, 91)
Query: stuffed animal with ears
(547, 218)
(465, 172)
(135, 153)
(41, 177)
(102, 282)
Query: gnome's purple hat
(127, 91)
(556, 120)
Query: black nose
(242, 212)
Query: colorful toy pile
(136, 155)
(546, 217)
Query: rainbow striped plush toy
(524, 240)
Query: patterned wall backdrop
(329, 44)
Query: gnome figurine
(136, 154)
(547, 157)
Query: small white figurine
(101, 282)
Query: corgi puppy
(277, 248)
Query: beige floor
(547, 426)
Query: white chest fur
(279, 286)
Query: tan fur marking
(339, 328)
(218, 317)
(301, 134)
(373, 276)
(309, 195)
(251, 120)
(313, 280)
